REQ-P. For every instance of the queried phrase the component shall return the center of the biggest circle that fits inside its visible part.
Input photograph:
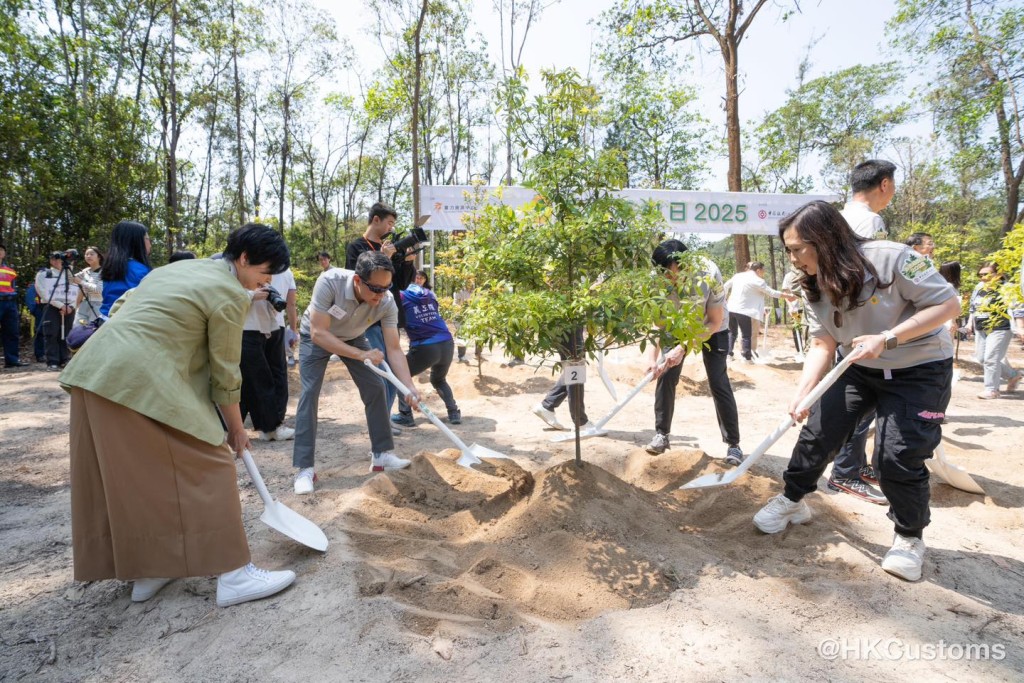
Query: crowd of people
(183, 354)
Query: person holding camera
(55, 286)
(375, 238)
(344, 307)
(264, 368)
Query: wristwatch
(890, 340)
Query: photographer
(381, 224)
(263, 365)
(56, 288)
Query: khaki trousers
(149, 501)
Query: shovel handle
(427, 412)
(254, 473)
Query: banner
(734, 213)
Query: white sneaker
(905, 558)
(779, 513)
(250, 583)
(304, 481)
(548, 416)
(144, 589)
(589, 426)
(282, 433)
(387, 461)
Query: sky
(769, 55)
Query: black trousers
(264, 379)
(575, 392)
(438, 358)
(55, 330)
(911, 403)
(714, 354)
(744, 325)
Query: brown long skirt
(149, 501)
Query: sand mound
(494, 544)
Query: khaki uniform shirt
(172, 349)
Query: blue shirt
(113, 290)
(423, 322)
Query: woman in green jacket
(153, 482)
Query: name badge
(337, 312)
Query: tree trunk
(172, 147)
(284, 162)
(730, 49)
(239, 162)
(417, 83)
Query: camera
(275, 299)
(410, 243)
(67, 257)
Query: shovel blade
(282, 518)
(955, 476)
(713, 479)
(467, 459)
(585, 434)
(483, 452)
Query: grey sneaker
(403, 420)
(779, 513)
(658, 445)
(859, 488)
(905, 558)
(868, 474)
(734, 456)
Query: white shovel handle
(254, 473)
(390, 376)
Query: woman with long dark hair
(154, 494)
(126, 263)
(883, 304)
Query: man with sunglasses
(345, 303)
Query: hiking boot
(250, 583)
(1011, 384)
(403, 419)
(779, 513)
(548, 416)
(658, 445)
(869, 475)
(455, 417)
(282, 433)
(304, 481)
(905, 558)
(858, 488)
(734, 456)
(387, 460)
(144, 589)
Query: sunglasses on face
(375, 288)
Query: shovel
(471, 455)
(724, 478)
(605, 379)
(954, 475)
(598, 428)
(279, 516)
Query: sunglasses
(375, 288)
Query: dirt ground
(532, 569)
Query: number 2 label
(574, 372)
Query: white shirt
(261, 312)
(746, 294)
(863, 221)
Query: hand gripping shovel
(724, 478)
(471, 455)
(279, 516)
(598, 428)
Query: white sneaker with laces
(779, 513)
(304, 481)
(905, 558)
(548, 416)
(144, 589)
(282, 433)
(379, 462)
(250, 583)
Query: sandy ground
(530, 568)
